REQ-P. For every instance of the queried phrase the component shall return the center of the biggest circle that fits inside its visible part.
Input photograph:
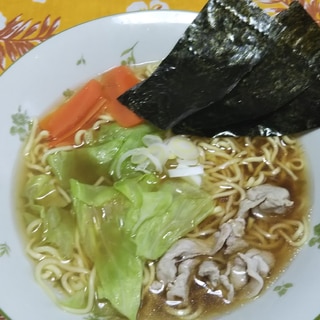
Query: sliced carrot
(115, 82)
(74, 113)
(85, 123)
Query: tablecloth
(26, 23)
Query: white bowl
(37, 80)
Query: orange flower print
(18, 36)
(275, 6)
(313, 8)
(142, 5)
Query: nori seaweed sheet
(298, 116)
(285, 71)
(225, 41)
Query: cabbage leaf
(101, 155)
(110, 247)
(60, 226)
(187, 207)
(136, 219)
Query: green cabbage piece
(40, 190)
(161, 212)
(111, 248)
(172, 219)
(77, 300)
(60, 226)
(120, 270)
(94, 205)
(100, 158)
(105, 311)
(145, 200)
(45, 202)
(136, 219)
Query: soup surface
(124, 220)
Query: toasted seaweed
(298, 116)
(225, 41)
(286, 70)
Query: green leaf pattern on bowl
(21, 124)
(4, 250)
(282, 289)
(128, 56)
(315, 240)
(80, 61)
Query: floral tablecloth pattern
(26, 23)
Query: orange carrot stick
(115, 82)
(86, 123)
(74, 113)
